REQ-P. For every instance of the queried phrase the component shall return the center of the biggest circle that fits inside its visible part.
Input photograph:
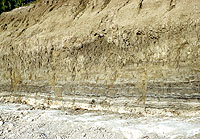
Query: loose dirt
(26, 122)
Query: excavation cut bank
(117, 68)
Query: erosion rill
(132, 56)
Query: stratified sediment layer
(146, 51)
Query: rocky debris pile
(21, 121)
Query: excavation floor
(19, 121)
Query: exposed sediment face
(111, 48)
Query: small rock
(1, 123)
(30, 119)
(43, 135)
(84, 134)
(10, 125)
(58, 137)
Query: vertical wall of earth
(112, 48)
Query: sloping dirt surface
(25, 122)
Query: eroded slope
(113, 48)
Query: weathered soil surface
(25, 122)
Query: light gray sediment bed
(121, 104)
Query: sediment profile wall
(142, 51)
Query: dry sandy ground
(25, 122)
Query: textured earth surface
(139, 57)
(26, 122)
